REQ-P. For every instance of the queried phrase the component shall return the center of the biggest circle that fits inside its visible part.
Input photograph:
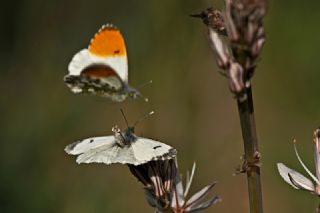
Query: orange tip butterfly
(102, 68)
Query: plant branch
(241, 23)
(251, 156)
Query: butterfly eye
(132, 94)
(115, 129)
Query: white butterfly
(102, 68)
(122, 147)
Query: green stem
(246, 113)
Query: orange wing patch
(108, 42)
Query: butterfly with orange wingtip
(102, 68)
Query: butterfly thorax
(124, 138)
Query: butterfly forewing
(108, 44)
(146, 150)
(89, 144)
(108, 155)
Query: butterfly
(122, 147)
(102, 68)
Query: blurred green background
(195, 111)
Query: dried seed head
(157, 177)
(164, 190)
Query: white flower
(195, 203)
(299, 181)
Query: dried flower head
(164, 190)
(297, 180)
(213, 18)
(242, 23)
(157, 178)
(245, 30)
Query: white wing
(101, 150)
(294, 178)
(91, 149)
(146, 150)
(106, 150)
(79, 61)
(84, 58)
(108, 155)
(88, 144)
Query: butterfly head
(129, 134)
(127, 137)
(134, 94)
(124, 138)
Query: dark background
(195, 111)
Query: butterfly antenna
(144, 98)
(144, 117)
(124, 117)
(144, 84)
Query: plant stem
(248, 127)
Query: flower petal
(220, 47)
(294, 178)
(189, 179)
(158, 204)
(150, 198)
(204, 205)
(301, 182)
(177, 200)
(303, 165)
(197, 197)
(317, 152)
(284, 171)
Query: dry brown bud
(213, 18)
